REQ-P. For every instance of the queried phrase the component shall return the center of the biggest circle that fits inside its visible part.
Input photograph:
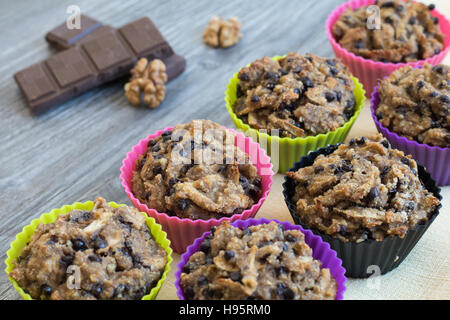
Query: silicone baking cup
(321, 251)
(291, 149)
(369, 71)
(182, 232)
(363, 259)
(24, 237)
(435, 159)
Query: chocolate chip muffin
(262, 262)
(298, 95)
(108, 251)
(415, 103)
(362, 190)
(407, 33)
(195, 171)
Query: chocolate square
(143, 36)
(69, 67)
(106, 51)
(34, 82)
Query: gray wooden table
(74, 152)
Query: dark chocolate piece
(95, 61)
(64, 37)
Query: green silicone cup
(290, 150)
(24, 237)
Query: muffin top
(362, 190)
(408, 32)
(109, 252)
(195, 171)
(297, 95)
(262, 262)
(415, 103)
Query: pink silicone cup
(321, 251)
(369, 71)
(181, 232)
(435, 159)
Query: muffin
(195, 171)
(263, 261)
(109, 252)
(298, 95)
(407, 33)
(415, 104)
(363, 190)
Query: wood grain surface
(74, 152)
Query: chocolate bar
(93, 62)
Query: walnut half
(222, 33)
(147, 79)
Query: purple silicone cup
(321, 251)
(436, 160)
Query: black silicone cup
(357, 257)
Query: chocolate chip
(166, 133)
(307, 82)
(46, 289)
(205, 246)
(331, 62)
(405, 160)
(172, 182)
(271, 75)
(254, 98)
(431, 7)
(291, 238)
(444, 99)
(361, 141)
(156, 148)
(330, 96)
(243, 76)
(389, 20)
(420, 84)
(202, 281)
(373, 194)
(412, 20)
(358, 44)
(347, 165)
(182, 204)
(151, 143)
(338, 96)
(334, 71)
(410, 205)
(318, 169)
(399, 8)
(342, 230)
(99, 242)
(157, 170)
(96, 289)
(439, 69)
(66, 260)
(187, 268)
(79, 245)
(435, 20)
(283, 72)
(189, 293)
(384, 171)
(285, 292)
(297, 69)
(236, 276)
(94, 258)
(386, 144)
(229, 254)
